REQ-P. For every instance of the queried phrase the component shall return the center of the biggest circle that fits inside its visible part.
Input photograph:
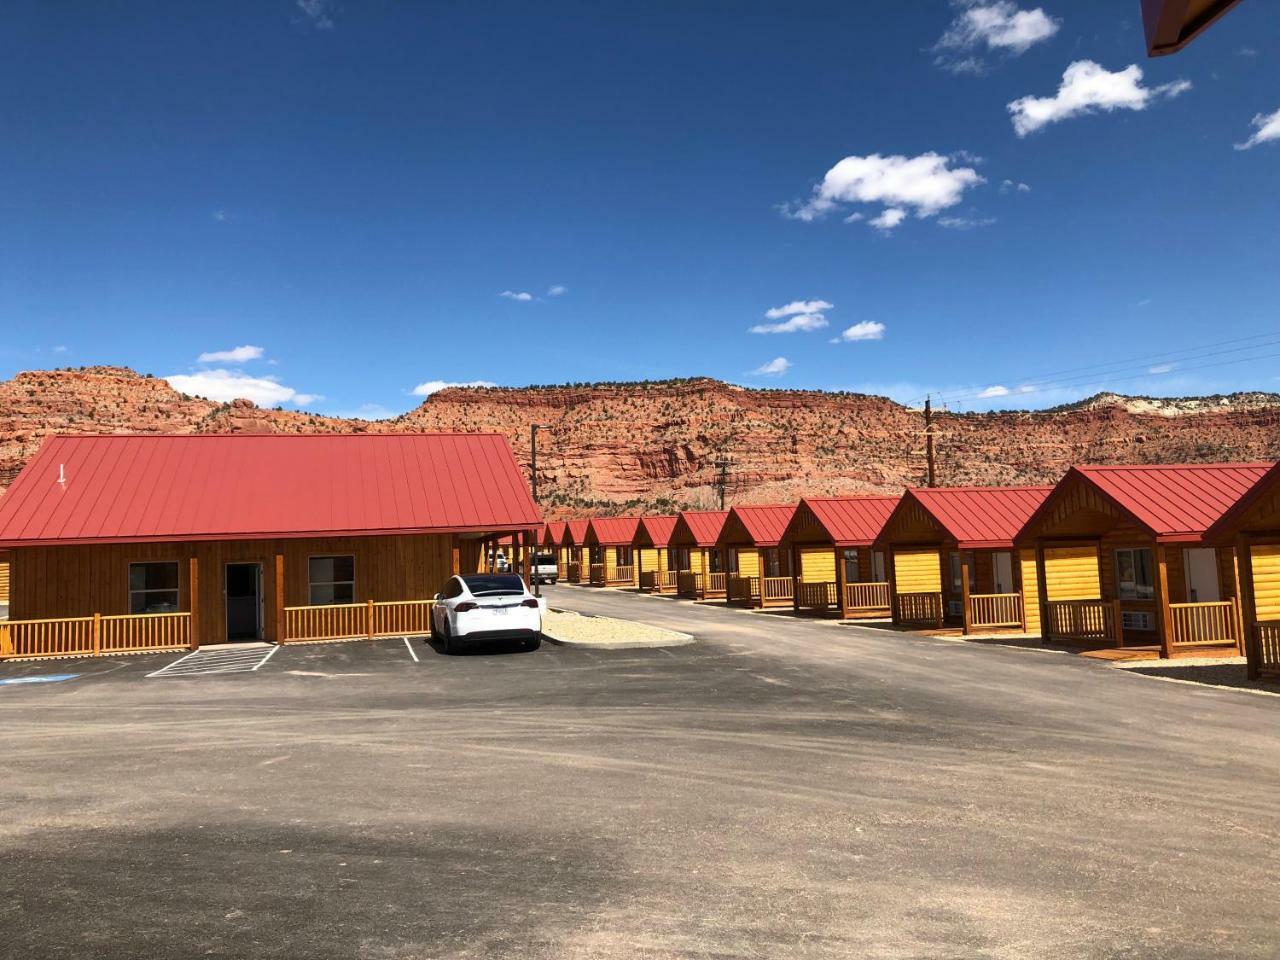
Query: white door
(1202, 575)
(1002, 569)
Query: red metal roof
(134, 488)
(613, 531)
(980, 517)
(575, 532)
(659, 529)
(1175, 502)
(704, 525)
(764, 524)
(553, 531)
(852, 521)
(1226, 525)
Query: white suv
(486, 606)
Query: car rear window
(543, 558)
(490, 585)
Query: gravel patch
(576, 630)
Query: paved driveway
(780, 789)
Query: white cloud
(1014, 185)
(435, 386)
(965, 223)
(1086, 88)
(889, 219)
(798, 306)
(922, 185)
(521, 295)
(1268, 129)
(866, 330)
(59, 349)
(557, 290)
(234, 355)
(994, 391)
(221, 216)
(1160, 368)
(1026, 388)
(224, 386)
(317, 12)
(774, 368)
(995, 26)
(801, 323)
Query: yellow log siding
(917, 571)
(4, 582)
(817, 564)
(1030, 589)
(1266, 580)
(748, 562)
(1071, 573)
(650, 559)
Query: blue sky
(323, 204)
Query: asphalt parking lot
(779, 789)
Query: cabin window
(153, 587)
(877, 567)
(957, 581)
(715, 562)
(680, 558)
(852, 572)
(332, 580)
(773, 562)
(622, 556)
(733, 561)
(1133, 574)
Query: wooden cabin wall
(1266, 580)
(4, 579)
(748, 561)
(78, 581)
(818, 564)
(1030, 585)
(1072, 573)
(917, 570)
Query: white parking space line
(218, 660)
(409, 646)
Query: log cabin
(759, 570)
(699, 563)
(609, 544)
(125, 543)
(836, 570)
(1123, 558)
(573, 544)
(552, 535)
(654, 572)
(951, 558)
(1252, 528)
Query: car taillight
(465, 606)
(529, 603)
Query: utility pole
(533, 457)
(928, 441)
(723, 480)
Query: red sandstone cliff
(654, 446)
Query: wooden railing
(689, 583)
(816, 596)
(866, 596)
(94, 636)
(1203, 624)
(995, 609)
(597, 575)
(778, 589)
(624, 575)
(716, 582)
(649, 581)
(920, 608)
(352, 621)
(573, 571)
(1268, 633)
(667, 579)
(743, 588)
(1091, 621)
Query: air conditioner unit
(1135, 620)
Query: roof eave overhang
(271, 535)
(1172, 24)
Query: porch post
(1248, 606)
(281, 637)
(891, 571)
(965, 616)
(1163, 615)
(1042, 593)
(795, 577)
(840, 579)
(193, 601)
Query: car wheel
(533, 644)
(450, 645)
